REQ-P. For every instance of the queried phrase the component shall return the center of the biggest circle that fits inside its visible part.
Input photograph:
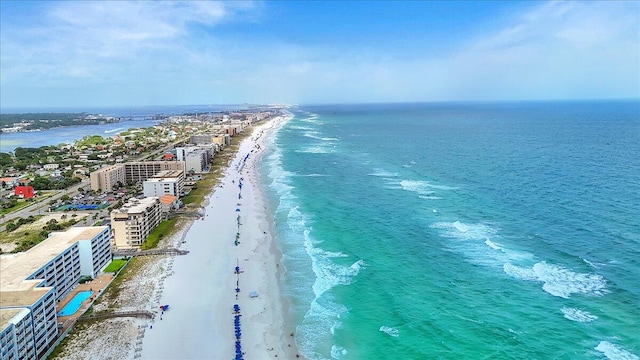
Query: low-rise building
(133, 222)
(169, 203)
(24, 192)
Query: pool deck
(97, 285)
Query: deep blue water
(420, 231)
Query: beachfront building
(182, 151)
(133, 222)
(164, 186)
(197, 161)
(142, 170)
(32, 283)
(222, 140)
(169, 203)
(130, 172)
(201, 139)
(165, 182)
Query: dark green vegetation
(50, 120)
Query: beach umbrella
(237, 210)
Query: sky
(92, 54)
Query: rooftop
(168, 199)
(136, 205)
(15, 268)
(168, 174)
(7, 314)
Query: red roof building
(25, 192)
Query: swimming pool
(73, 305)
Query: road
(41, 206)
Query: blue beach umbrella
(237, 210)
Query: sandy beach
(201, 293)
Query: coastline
(201, 294)
(199, 287)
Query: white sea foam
(461, 231)
(593, 264)
(420, 187)
(316, 150)
(520, 273)
(296, 127)
(337, 352)
(473, 240)
(578, 315)
(313, 175)
(492, 245)
(384, 173)
(391, 331)
(429, 197)
(559, 281)
(316, 135)
(461, 227)
(615, 352)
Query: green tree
(5, 159)
(41, 183)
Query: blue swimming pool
(73, 305)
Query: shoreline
(209, 269)
(199, 287)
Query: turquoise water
(74, 304)
(422, 231)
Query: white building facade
(164, 186)
(32, 283)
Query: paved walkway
(97, 285)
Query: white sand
(201, 291)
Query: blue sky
(81, 53)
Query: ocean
(460, 230)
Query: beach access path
(201, 293)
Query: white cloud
(169, 52)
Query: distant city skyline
(100, 54)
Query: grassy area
(23, 203)
(115, 265)
(113, 290)
(30, 235)
(165, 228)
